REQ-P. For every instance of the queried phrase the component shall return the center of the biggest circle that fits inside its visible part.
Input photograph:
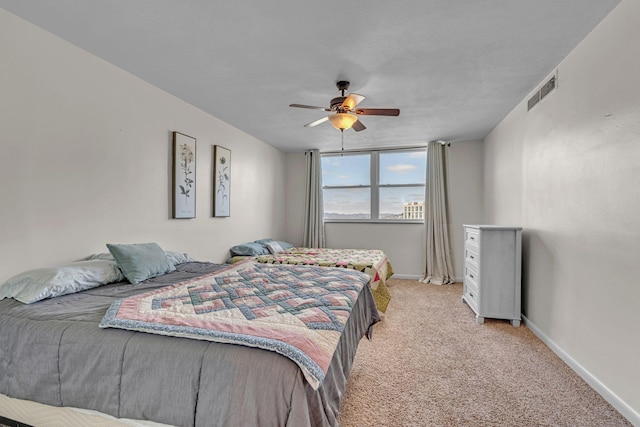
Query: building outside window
(374, 186)
(413, 210)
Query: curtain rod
(362, 150)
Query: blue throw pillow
(249, 249)
(141, 261)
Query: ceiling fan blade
(311, 107)
(351, 101)
(378, 111)
(317, 122)
(358, 126)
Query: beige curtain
(439, 263)
(313, 212)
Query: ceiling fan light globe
(342, 121)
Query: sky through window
(401, 180)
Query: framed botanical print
(221, 181)
(184, 176)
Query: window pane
(346, 170)
(402, 203)
(347, 203)
(403, 167)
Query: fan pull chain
(342, 136)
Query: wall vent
(533, 100)
(546, 88)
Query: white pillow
(274, 247)
(178, 257)
(35, 285)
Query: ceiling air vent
(546, 88)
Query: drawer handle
(473, 238)
(471, 256)
(470, 294)
(471, 275)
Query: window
(374, 186)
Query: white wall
(568, 172)
(403, 243)
(295, 168)
(85, 159)
(467, 194)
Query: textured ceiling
(453, 68)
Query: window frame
(375, 186)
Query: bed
(55, 352)
(370, 261)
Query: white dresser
(492, 271)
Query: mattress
(36, 414)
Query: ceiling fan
(345, 112)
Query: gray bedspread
(53, 352)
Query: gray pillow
(141, 261)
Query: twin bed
(373, 262)
(200, 345)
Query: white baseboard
(620, 405)
(415, 277)
(405, 276)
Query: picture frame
(184, 176)
(221, 181)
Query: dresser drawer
(472, 274)
(472, 256)
(471, 295)
(472, 235)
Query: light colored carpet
(431, 364)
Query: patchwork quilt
(370, 261)
(299, 312)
